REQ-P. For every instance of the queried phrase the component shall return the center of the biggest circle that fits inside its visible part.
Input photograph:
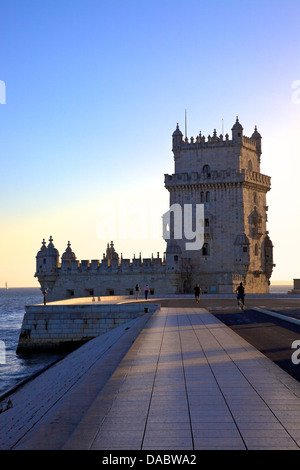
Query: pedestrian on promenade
(240, 292)
(137, 291)
(147, 289)
(198, 291)
(45, 295)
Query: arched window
(206, 171)
(256, 249)
(250, 166)
(202, 196)
(207, 196)
(206, 249)
(255, 224)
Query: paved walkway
(189, 382)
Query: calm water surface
(18, 367)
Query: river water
(17, 367)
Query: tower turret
(52, 256)
(237, 132)
(177, 139)
(41, 258)
(68, 255)
(47, 263)
(173, 256)
(111, 254)
(257, 137)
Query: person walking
(45, 295)
(240, 292)
(197, 290)
(137, 291)
(147, 289)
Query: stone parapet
(65, 326)
(214, 141)
(217, 177)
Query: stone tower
(47, 264)
(224, 175)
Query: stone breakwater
(64, 325)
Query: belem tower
(224, 175)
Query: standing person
(45, 295)
(241, 294)
(137, 291)
(146, 291)
(197, 290)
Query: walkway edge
(278, 315)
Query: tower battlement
(215, 177)
(216, 141)
(213, 141)
(115, 263)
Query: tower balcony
(216, 177)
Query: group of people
(138, 290)
(240, 292)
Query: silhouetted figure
(197, 290)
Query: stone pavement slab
(189, 382)
(47, 409)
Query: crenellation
(213, 141)
(249, 142)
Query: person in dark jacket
(137, 291)
(241, 293)
(197, 290)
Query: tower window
(256, 249)
(202, 196)
(255, 224)
(207, 197)
(206, 171)
(206, 222)
(89, 291)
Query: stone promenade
(185, 381)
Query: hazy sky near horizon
(94, 90)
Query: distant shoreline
(273, 283)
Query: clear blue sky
(94, 90)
